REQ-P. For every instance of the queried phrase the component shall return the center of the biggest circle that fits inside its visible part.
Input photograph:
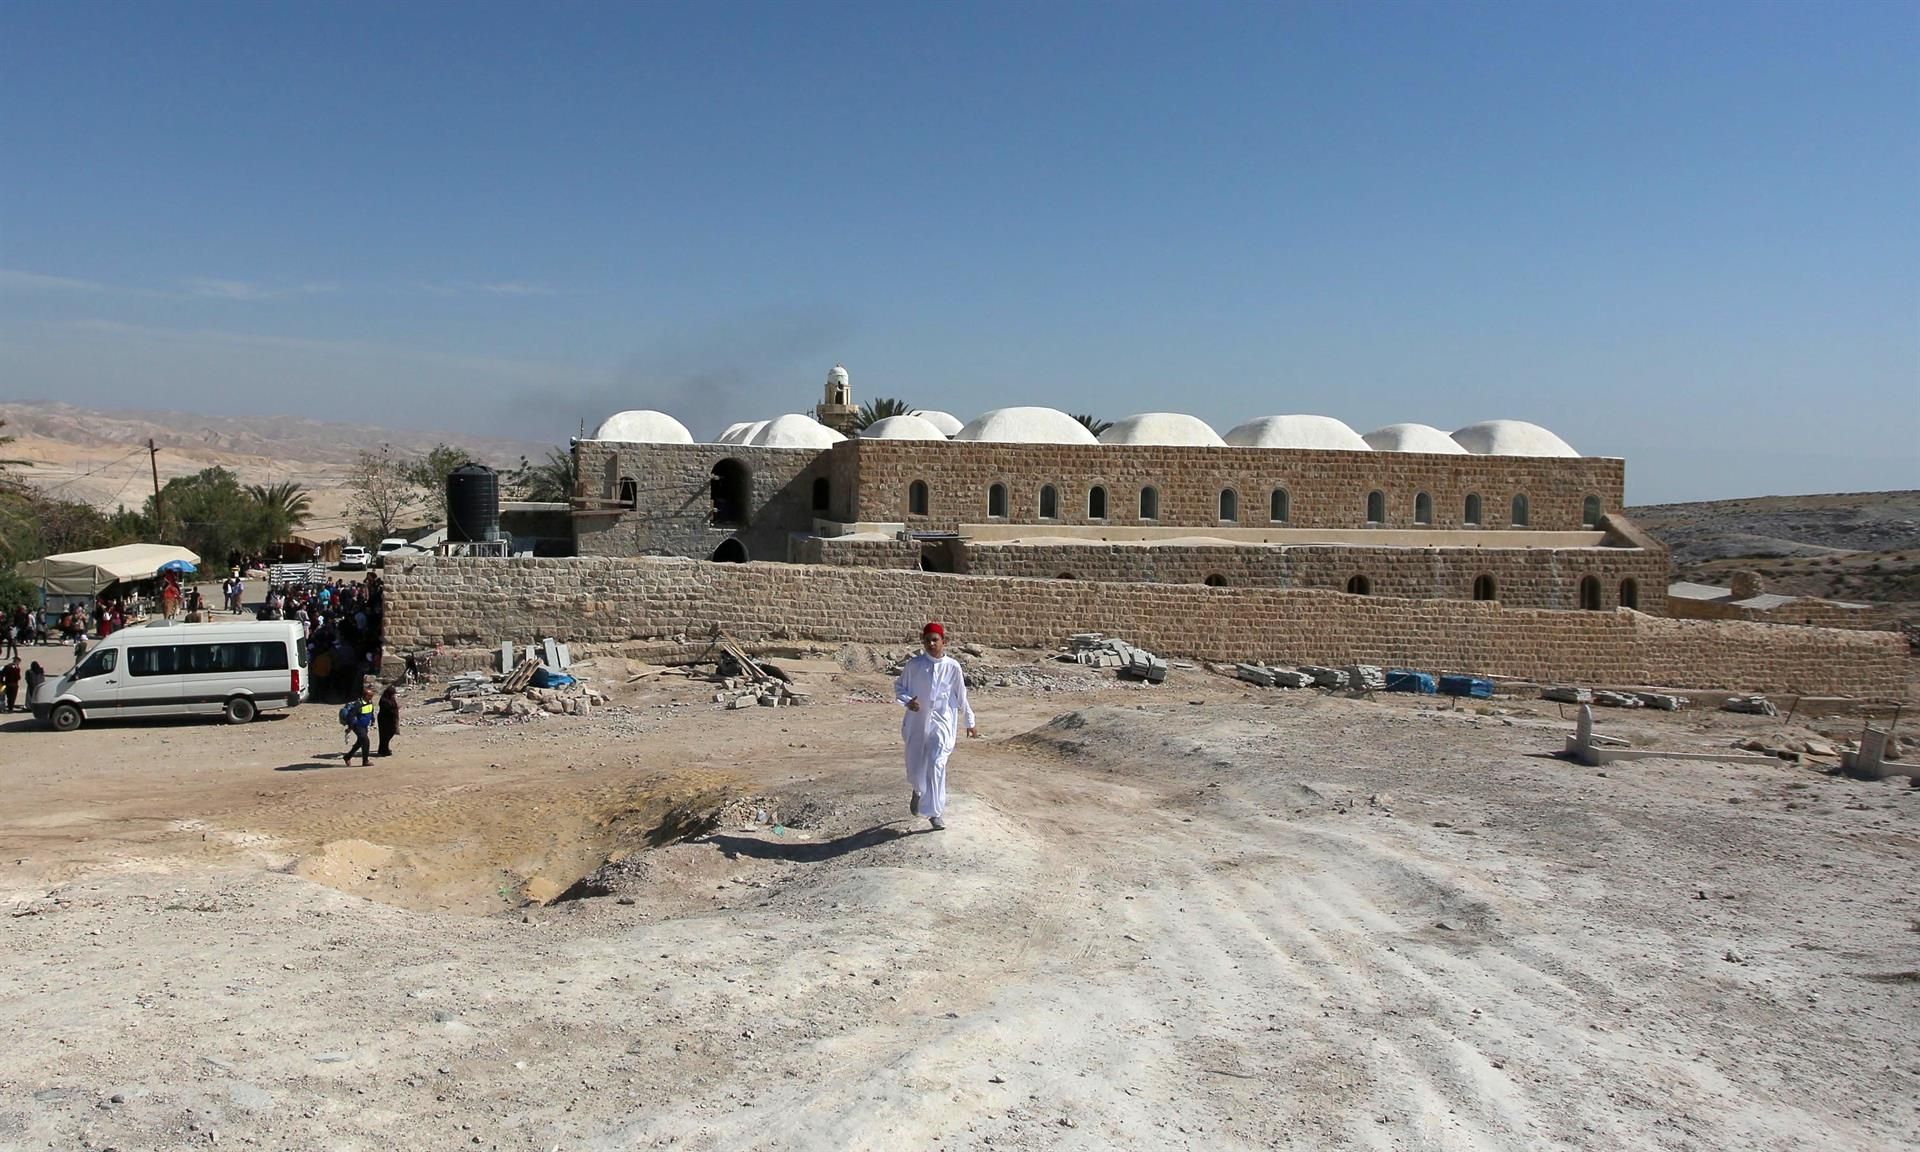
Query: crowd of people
(342, 621)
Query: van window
(154, 660)
(207, 659)
(300, 646)
(98, 664)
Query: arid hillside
(100, 457)
(1859, 546)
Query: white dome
(902, 428)
(836, 375)
(1176, 428)
(1026, 426)
(742, 432)
(643, 426)
(1413, 438)
(1511, 438)
(794, 431)
(948, 423)
(1316, 432)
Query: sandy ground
(1198, 916)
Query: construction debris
(1366, 677)
(1617, 699)
(1326, 677)
(1751, 705)
(1097, 651)
(1566, 694)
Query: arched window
(1216, 580)
(1149, 503)
(918, 498)
(732, 492)
(1229, 504)
(1590, 512)
(1630, 594)
(1519, 517)
(997, 500)
(1423, 509)
(1376, 507)
(822, 494)
(629, 491)
(1590, 593)
(1049, 502)
(1472, 515)
(1280, 506)
(1359, 586)
(731, 551)
(1064, 576)
(1485, 589)
(1097, 503)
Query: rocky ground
(1198, 915)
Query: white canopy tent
(87, 573)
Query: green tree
(427, 473)
(1092, 423)
(383, 494)
(285, 506)
(551, 481)
(881, 407)
(212, 514)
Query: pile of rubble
(746, 683)
(1358, 677)
(1097, 651)
(1567, 694)
(531, 689)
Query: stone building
(1503, 511)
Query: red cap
(934, 628)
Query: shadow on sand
(809, 852)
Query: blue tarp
(1457, 685)
(542, 678)
(1406, 680)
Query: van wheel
(240, 710)
(65, 717)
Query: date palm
(879, 408)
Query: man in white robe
(933, 689)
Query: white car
(387, 548)
(353, 557)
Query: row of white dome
(1052, 426)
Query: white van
(168, 669)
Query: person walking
(389, 719)
(933, 689)
(36, 676)
(357, 715)
(10, 682)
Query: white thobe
(941, 688)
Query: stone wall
(672, 513)
(1529, 577)
(1324, 489)
(473, 604)
(1806, 612)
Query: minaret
(836, 411)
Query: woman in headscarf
(388, 719)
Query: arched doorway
(1590, 593)
(731, 551)
(732, 489)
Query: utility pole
(153, 461)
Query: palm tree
(550, 481)
(1093, 423)
(285, 506)
(879, 408)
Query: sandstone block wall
(1809, 612)
(1324, 489)
(1530, 577)
(467, 603)
(673, 510)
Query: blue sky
(1683, 234)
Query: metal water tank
(473, 504)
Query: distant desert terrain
(100, 457)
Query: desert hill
(99, 457)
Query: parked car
(166, 669)
(380, 561)
(354, 558)
(390, 544)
